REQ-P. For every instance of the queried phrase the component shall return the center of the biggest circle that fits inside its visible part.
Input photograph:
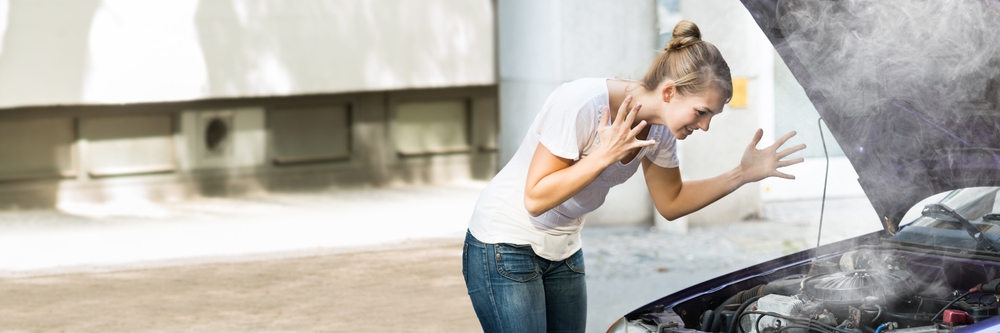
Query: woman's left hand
(758, 164)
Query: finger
(783, 175)
(604, 117)
(791, 150)
(622, 110)
(630, 117)
(782, 164)
(638, 128)
(644, 143)
(783, 138)
(756, 139)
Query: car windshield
(978, 226)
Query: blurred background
(151, 147)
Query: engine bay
(869, 289)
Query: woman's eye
(701, 113)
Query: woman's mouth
(688, 130)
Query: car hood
(908, 88)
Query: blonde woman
(522, 262)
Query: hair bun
(686, 33)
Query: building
(118, 100)
(164, 99)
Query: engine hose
(716, 322)
(813, 324)
(706, 320)
(877, 315)
(784, 287)
(966, 294)
(751, 293)
(756, 324)
(796, 327)
(743, 306)
(880, 328)
(738, 298)
(802, 285)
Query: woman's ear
(667, 90)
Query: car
(911, 92)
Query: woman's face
(685, 114)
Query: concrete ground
(339, 261)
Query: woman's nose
(703, 124)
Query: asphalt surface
(310, 262)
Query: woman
(522, 261)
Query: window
(27, 154)
(432, 127)
(313, 134)
(128, 144)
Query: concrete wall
(543, 44)
(69, 52)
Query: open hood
(908, 88)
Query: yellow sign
(739, 93)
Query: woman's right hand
(758, 164)
(619, 138)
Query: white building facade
(102, 100)
(165, 99)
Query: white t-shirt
(567, 126)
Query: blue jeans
(514, 291)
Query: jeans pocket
(516, 262)
(575, 262)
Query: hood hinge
(890, 228)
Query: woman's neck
(619, 88)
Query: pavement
(626, 266)
(128, 235)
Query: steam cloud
(909, 88)
(942, 55)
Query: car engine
(870, 290)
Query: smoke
(941, 55)
(909, 88)
(921, 68)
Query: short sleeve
(565, 125)
(665, 153)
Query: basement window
(431, 127)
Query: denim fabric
(514, 290)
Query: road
(405, 290)
(413, 288)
